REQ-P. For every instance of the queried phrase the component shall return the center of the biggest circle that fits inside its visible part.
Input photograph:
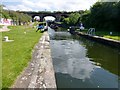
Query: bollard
(6, 38)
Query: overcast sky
(48, 5)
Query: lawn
(17, 54)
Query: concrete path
(40, 72)
(4, 28)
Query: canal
(81, 63)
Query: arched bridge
(57, 15)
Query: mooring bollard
(6, 38)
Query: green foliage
(66, 21)
(85, 19)
(20, 17)
(62, 19)
(17, 54)
(16, 16)
(103, 15)
(5, 14)
(74, 18)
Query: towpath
(40, 72)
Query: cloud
(19, 7)
(50, 5)
(27, 3)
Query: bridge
(57, 15)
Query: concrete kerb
(110, 42)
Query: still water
(81, 63)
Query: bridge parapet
(57, 15)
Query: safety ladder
(91, 31)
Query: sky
(48, 5)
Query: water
(80, 63)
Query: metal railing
(91, 31)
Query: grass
(112, 37)
(106, 34)
(1, 26)
(0, 60)
(17, 54)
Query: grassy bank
(17, 54)
(106, 34)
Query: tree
(17, 17)
(73, 18)
(66, 21)
(103, 16)
(85, 19)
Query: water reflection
(82, 63)
(102, 55)
(72, 60)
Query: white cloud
(19, 7)
(27, 3)
(51, 5)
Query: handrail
(91, 31)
